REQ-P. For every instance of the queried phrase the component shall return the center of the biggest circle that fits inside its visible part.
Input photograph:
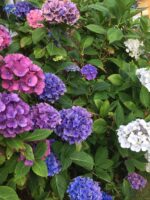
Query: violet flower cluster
(5, 37)
(106, 196)
(136, 181)
(84, 188)
(22, 8)
(54, 88)
(60, 11)
(76, 125)
(45, 116)
(53, 165)
(20, 74)
(89, 72)
(14, 115)
(35, 18)
(9, 8)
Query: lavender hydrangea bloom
(60, 11)
(106, 196)
(23, 8)
(76, 125)
(45, 116)
(72, 68)
(53, 165)
(83, 188)
(137, 181)
(54, 88)
(9, 8)
(14, 115)
(89, 72)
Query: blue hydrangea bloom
(106, 196)
(54, 88)
(23, 8)
(76, 125)
(89, 72)
(83, 188)
(72, 68)
(53, 165)
(9, 8)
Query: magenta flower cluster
(45, 116)
(76, 125)
(5, 37)
(54, 88)
(35, 18)
(89, 72)
(14, 115)
(20, 74)
(84, 188)
(136, 181)
(60, 11)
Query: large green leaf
(100, 126)
(96, 28)
(40, 168)
(82, 159)
(114, 35)
(21, 170)
(38, 34)
(145, 97)
(7, 193)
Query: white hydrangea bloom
(135, 135)
(134, 48)
(143, 75)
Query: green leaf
(38, 34)
(138, 164)
(21, 170)
(2, 159)
(114, 35)
(40, 150)
(102, 174)
(28, 153)
(98, 63)
(59, 185)
(96, 28)
(101, 155)
(115, 79)
(55, 51)
(39, 52)
(99, 7)
(87, 42)
(38, 134)
(15, 144)
(25, 41)
(40, 168)
(100, 126)
(7, 193)
(105, 108)
(82, 159)
(119, 115)
(145, 97)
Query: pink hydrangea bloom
(34, 18)
(18, 73)
(5, 38)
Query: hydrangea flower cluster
(9, 9)
(45, 116)
(34, 18)
(84, 188)
(106, 196)
(53, 165)
(14, 115)
(54, 88)
(135, 135)
(60, 11)
(5, 37)
(72, 68)
(134, 48)
(143, 75)
(22, 8)
(76, 125)
(20, 74)
(137, 181)
(89, 72)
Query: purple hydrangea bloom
(53, 165)
(14, 115)
(23, 8)
(84, 188)
(106, 196)
(72, 68)
(54, 88)
(76, 125)
(9, 8)
(60, 11)
(89, 72)
(137, 181)
(45, 116)
(26, 162)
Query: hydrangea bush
(74, 100)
